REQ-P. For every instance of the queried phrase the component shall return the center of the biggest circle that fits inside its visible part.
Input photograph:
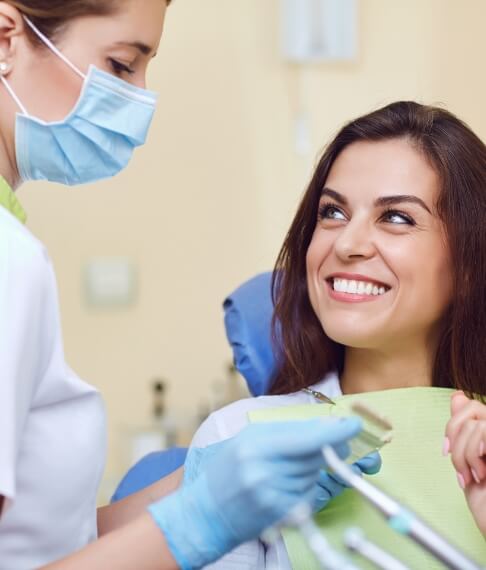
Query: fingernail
(460, 480)
(481, 449)
(475, 476)
(446, 446)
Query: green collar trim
(9, 201)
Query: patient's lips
(354, 287)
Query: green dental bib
(414, 472)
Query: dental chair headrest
(248, 316)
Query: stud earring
(3, 67)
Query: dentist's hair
(51, 16)
(305, 354)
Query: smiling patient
(380, 284)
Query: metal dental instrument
(376, 432)
(355, 540)
(401, 519)
(319, 396)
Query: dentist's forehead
(134, 22)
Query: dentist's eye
(119, 68)
(331, 212)
(397, 217)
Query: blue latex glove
(330, 486)
(250, 483)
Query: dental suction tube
(401, 519)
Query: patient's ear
(12, 32)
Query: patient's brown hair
(305, 353)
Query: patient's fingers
(458, 400)
(458, 453)
(467, 451)
(472, 410)
(474, 452)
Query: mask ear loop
(53, 48)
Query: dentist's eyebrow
(383, 201)
(142, 48)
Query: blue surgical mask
(95, 141)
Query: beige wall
(206, 203)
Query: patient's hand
(466, 442)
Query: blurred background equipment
(319, 30)
(110, 283)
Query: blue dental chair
(247, 317)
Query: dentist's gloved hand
(251, 482)
(330, 485)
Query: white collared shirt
(52, 425)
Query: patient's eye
(331, 212)
(397, 217)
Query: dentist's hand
(330, 486)
(327, 485)
(251, 482)
(466, 442)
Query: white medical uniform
(226, 423)
(52, 425)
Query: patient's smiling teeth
(355, 287)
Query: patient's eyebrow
(400, 198)
(382, 201)
(340, 199)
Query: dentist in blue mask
(95, 140)
(73, 106)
